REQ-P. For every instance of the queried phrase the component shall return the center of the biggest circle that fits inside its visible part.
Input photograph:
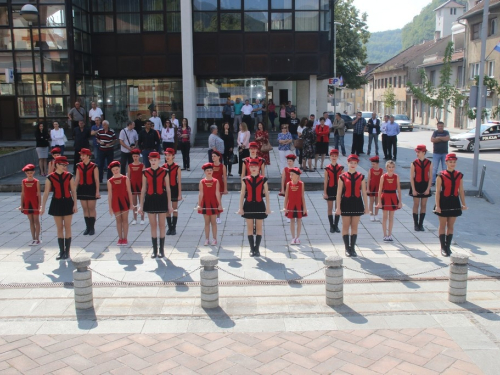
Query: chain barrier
(484, 269)
(270, 282)
(185, 274)
(395, 277)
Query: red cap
(334, 151)
(451, 157)
(154, 155)
(207, 166)
(114, 163)
(253, 145)
(85, 151)
(253, 162)
(421, 148)
(135, 151)
(170, 151)
(291, 157)
(353, 157)
(62, 160)
(375, 159)
(295, 170)
(28, 167)
(55, 150)
(217, 153)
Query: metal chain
(396, 276)
(266, 282)
(142, 283)
(483, 269)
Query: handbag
(299, 143)
(233, 159)
(266, 147)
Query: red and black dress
(389, 198)
(286, 171)
(421, 179)
(351, 201)
(374, 182)
(136, 178)
(173, 173)
(294, 205)
(62, 202)
(254, 206)
(31, 205)
(120, 199)
(156, 199)
(218, 175)
(333, 174)
(262, 161)
(209, 202)
(85, 191)
(449, 200)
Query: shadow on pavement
(278, 270)
(63, 274)
(87, 319)
(383, 271)
(348, 313)
(33, 258)
(168, 271)
(220, 317)
(132, 259)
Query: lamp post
(335, 63)
(30, 14)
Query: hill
(383, 45)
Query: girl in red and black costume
(330, 185)
(55, 152)
(420, 185)
(156, 201)
(351, 193)
(252, 207)
(390, 198)
(30, 202)
(254, 149)
(174, 176)
(63, 204)
(373, 183)
(119, 200)
(209, 203)
(450, 201)
(295, 203)
(285, 177)
(87, 189)
(219, 175)
(135, 176)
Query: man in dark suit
(373, 132)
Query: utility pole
(335, 63)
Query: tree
(389, 98)
(352, 37)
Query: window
(205, 21)
(207, 5)
(152, 5)
(102, 23)
(230, 4)
(281, 21)
(4, 16)
(102, 6)
(474, 70)
(256, 4)
(230, 21)
(5, 41)
(128, 18)
(399, 82)
(476, 31)
(490, 68)
(152, 22)
(306, 21)
(390, 81)
(256, 21)
(174, 16)
(493, 27)
(432, 78)
(453, 11)
(306, 4)
(281, 4)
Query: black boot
(442, 239)
(155, 247)
(345, 237)
(169, 224)
(421, 223)
(415, 221)
(258, 238)
(337, 218)
(162, 245)
(67, 245)
(449, 237)
(354, 237)
(92, 226)
(60, 241)
(174, 224)
(252, 246)
(332, 226)
(87, 226)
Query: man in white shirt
(156, 121)
(94, 112)
(383, 131)
(327, 120)
(247, 110)
(128, 141)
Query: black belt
(388, 191)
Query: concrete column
(313, 102)
(82, 281)
(209, 280)
(334, 281)
(459, 266)
(188, 78)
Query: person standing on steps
(184, 136)
(227, 110)
(81, 136)
(238, 117)
(106, 138)
(87, 191)
(228, 138)
(247, 111)
(148, 142)
(128, 139)
(420, 185)
(330, 186)
(76, 114)
(439, 139)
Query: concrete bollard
(457, 291)
(334, 281)
(82, 281)
(209, 280)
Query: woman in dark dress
(228, 138)
(42, 147)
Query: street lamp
(335, 62)
(30, 15)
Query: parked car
(404, 122)
(347, 120)
(490, 138)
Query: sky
(389, 14)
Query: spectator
(174, 121)
(81, 136)
(215, 143)
(94, 112)
(106, 139)
(322, 139)
(247, 111)
(93, 132)
(57, 137)
(257, 112)
(300, 129)
(262, 137)
(439, 140)
(309, 137)
(168, 135)
(284, 140)
(77, 113)
(283, 118)
(156, 121)
(271, 112)
(338, 133)
(328, 122)
(237, 114)
(289, 109)
(383, 130)
(392, 129)
(184, 136)
(226, 111)
(148, 142)
(227, 137)
(139, 124)
(128, 140)
(293, 125)
(373, 132)
(358, 130)
(243, 142)
(42, 147)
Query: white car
(404, 122)
(490, 138)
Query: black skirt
(321, 148)
(352, 206)
(61, 206)
(332, 193)
(420, 188)
(254, 210)
(450, 207)
(174, 193)
(86, 192)
(156, 203)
